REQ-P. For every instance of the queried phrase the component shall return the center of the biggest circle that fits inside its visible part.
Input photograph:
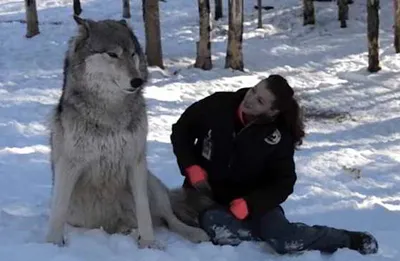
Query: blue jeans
(273, 227)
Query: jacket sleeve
(274, 193)
(184, 133)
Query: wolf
(98, 134)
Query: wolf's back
(187, 204)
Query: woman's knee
(217, 223)
(211, 217)
(274, 225)
(277, 232)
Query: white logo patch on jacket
(273, 138)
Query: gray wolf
(98, 134)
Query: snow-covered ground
(348, 167)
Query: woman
(238, 148)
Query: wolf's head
(107, 57)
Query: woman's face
(258, 101)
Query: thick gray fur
(188, 204)
(98, 143)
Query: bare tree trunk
(397, 25)
(151, 19)
(77, 7)
(234, 55)
(32, 23)
(259, 4)
(373, 35)
(126, 9)
(308, 12)
(343, 12)
(203, 59)
(218, 9)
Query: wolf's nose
(137, 82)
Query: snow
(348, 167)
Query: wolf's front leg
(65, 178)
(138, 179)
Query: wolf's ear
(123, 22)
(126, 24)
(80, 21)
(83, 23)
(83, 31)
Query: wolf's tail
(187, 204)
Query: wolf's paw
(198, 235)
(56, 238)
(125, 230)
(135, 234)
(153, 244)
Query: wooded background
(234, 54)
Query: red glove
(239, 208)
(196, 174)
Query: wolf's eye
(133, 54)
(112, 55)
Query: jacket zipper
(234, 141)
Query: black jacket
(244, 162)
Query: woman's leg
(223, 228)
(286, 237)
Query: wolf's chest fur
(108, 154)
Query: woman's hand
(239, 208)
(198, 178)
